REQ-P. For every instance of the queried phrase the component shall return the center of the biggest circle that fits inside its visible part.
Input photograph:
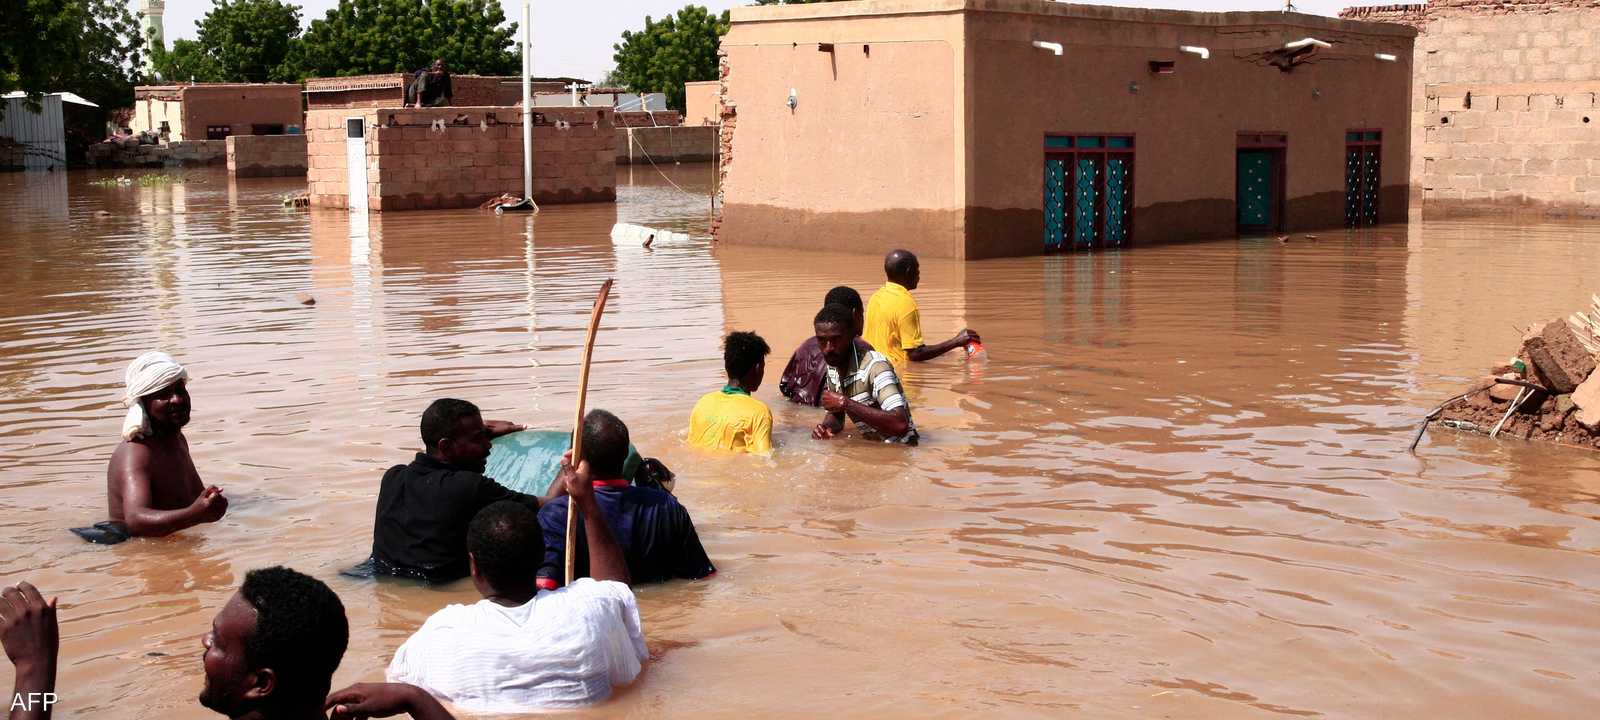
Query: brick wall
(1504, 103)
(388, 90)
(411, 165)
(266, 155)
(640, 118)
(183, 153)
(666, 144)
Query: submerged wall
(1506, 104)
(666, 144)
(266, 155)
(412, 165)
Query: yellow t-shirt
(730, 419)
(893, 324)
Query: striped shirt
(873, 382)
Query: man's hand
(32, 641)
(370, 700)
(578, 482)
(822, 432)
(967, 335)
(211, 505)
(832, 402)
(497, 428)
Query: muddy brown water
(1178, 487)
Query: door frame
(353, 169)
(1070, 152)
(1276, 144)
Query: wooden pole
(577, 424)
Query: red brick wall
(410, 165)
(238, 106)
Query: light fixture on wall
(1204, 53)
(1054, 47)
(794, 99)
(1306, 42)
(1386, 57)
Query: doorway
(1260, 182)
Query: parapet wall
(476, 155)
(185, 153)
(1504, 103)
(266, 155)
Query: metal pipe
(527, 100)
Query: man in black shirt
(657, 537)
(424, 508)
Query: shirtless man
(152, 487)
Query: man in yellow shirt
(894, 326)
(730, 419)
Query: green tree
(666, 54)
(380, 36)
(89, 47)
(238, 41)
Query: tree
(381, 36)
(680, 48)
(238, 41)
(89, 47)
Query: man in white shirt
(520, 648)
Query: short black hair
(442, 418)
(846, 296)
(836, 315)
(898, 263)
(742, 351)
(605, 444)
(301, 631)
(506, 543)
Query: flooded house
(214, 111)
(984, 128)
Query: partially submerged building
(984, 128)
(214, 111)
(32, 139)
(389, 90)
(1505, 104)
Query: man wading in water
(863, 386)
(894, 324)
(152, 487)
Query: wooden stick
(577, 424)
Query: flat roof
(1110, 13)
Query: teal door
(1257, 192)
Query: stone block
(1586, 398)
(1560, 360)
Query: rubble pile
(1549, 391)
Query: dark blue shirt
(657, 537)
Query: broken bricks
(1558, 358)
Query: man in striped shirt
(862, 386)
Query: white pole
(527, 100)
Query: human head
(901, 267)
(835, 329)
(848, 297)
(438, 65)
(505, 547)
(744, 356)
(156, 394)
(605, 444)
(453, 432)
(274, 646)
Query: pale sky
(575, 38)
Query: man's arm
(131, 473)
(830, 425)
(370, 700)
(605, 556)
(924, 353)
(32, 641)
(894, 422)
(490, 492)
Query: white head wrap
(147, 373)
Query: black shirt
(423, 512)
(656, 535)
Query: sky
(574, 39)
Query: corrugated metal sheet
(42, 133)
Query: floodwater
(1178, 487)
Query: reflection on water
(1177, 487)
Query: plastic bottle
(975, 351)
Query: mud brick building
(214, 111)
(389, 89)
(452, 157)
(984, 128)
(1504, 104)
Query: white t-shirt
(564, 648)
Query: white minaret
(150, 25)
